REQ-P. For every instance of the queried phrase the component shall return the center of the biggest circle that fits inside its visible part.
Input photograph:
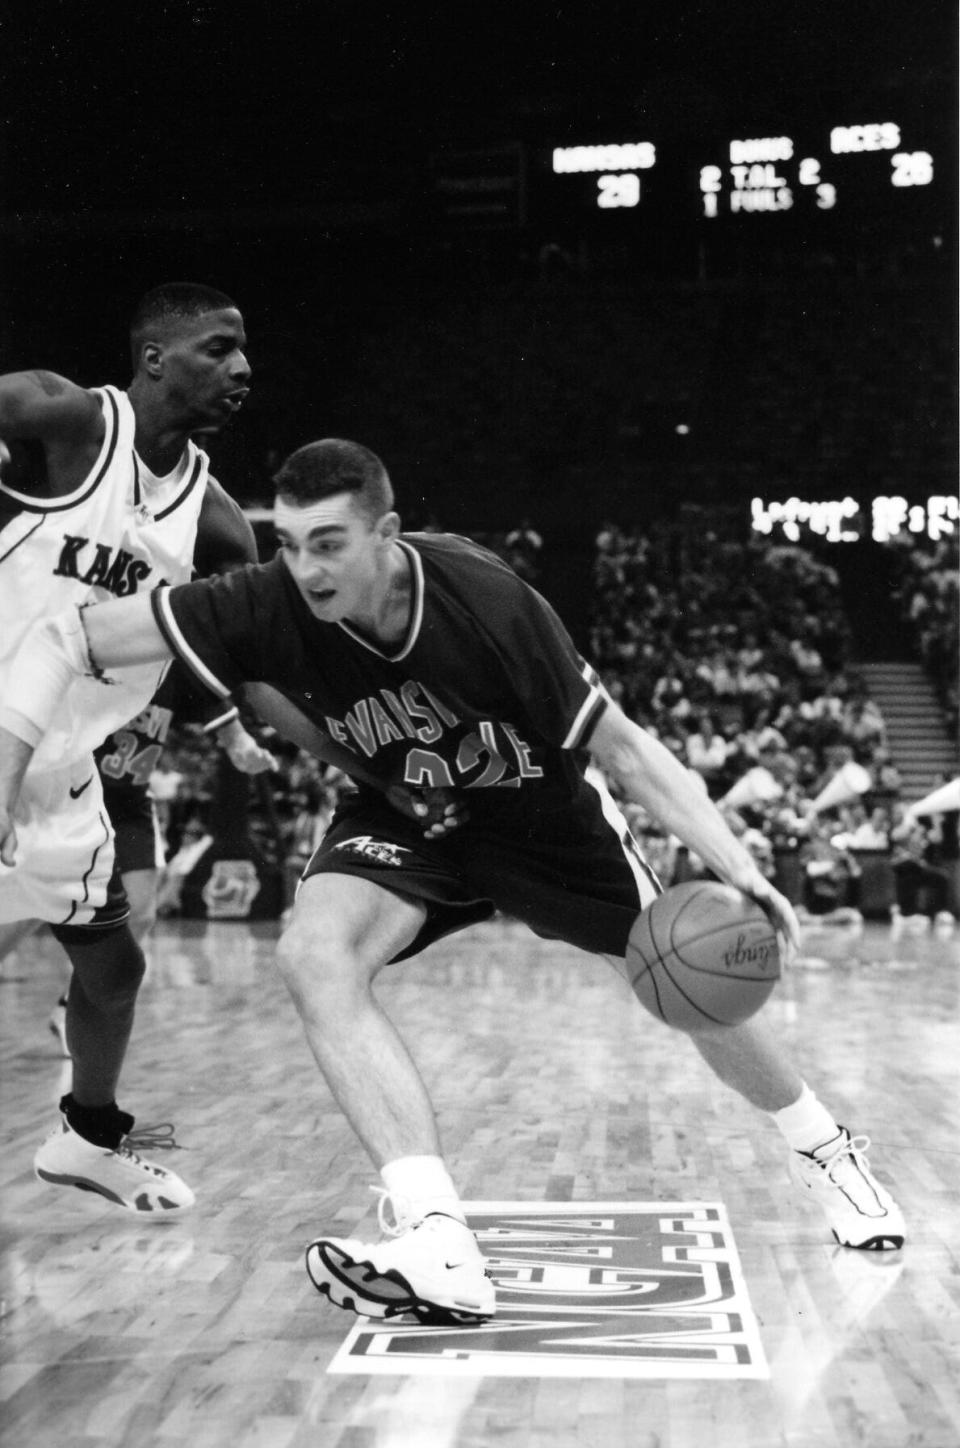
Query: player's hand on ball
(438, 810)
(703, 955)
(8, 839)
(781, 913)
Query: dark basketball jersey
(485, 693)
(127, 757)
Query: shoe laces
(847, 1149)
(158, 1136)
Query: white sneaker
(68, 1160)
(861, 1212)
(432, 1268)
(58, 1025)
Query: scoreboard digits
(843, 167)
(767, 174)
(619, 184)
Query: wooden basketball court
(551, 1086)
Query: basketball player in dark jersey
(429, 660)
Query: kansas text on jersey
(112, 536)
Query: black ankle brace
(104, 1126)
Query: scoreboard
(851, 167)
(776, 173)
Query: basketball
(702, 955)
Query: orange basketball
(703, 955)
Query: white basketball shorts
(65, 852)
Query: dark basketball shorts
(576, 877)
(134, 819)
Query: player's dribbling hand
(243, 751)
(782, 916)
(8, 840)
(438, 810)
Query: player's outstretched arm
(44, 406)
(52, 653)
(88, 641)
(123, 631)
(649, 775)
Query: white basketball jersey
(112, 536)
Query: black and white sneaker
(837, 1176)
(431, 1267)
(121, 1176)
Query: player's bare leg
(826, 1162)
(749, 1059)
(342, 932)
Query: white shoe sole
(159, 1209)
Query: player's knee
(299, 958)
(109, 967)
(318, 967)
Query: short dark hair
(169, 303)
(335, 465)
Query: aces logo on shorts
(380, 852)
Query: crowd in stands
(736, 655)
(929, 600)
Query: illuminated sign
(619, 185)
(844, 521)
(884, 137)
(627, 156)
(892, 516)
(830, 520)
(771, 148)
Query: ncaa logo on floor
(588, 1289)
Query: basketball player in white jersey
(125, 501)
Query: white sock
(806, 1124)
(425, 1182)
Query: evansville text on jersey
(493, 752)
